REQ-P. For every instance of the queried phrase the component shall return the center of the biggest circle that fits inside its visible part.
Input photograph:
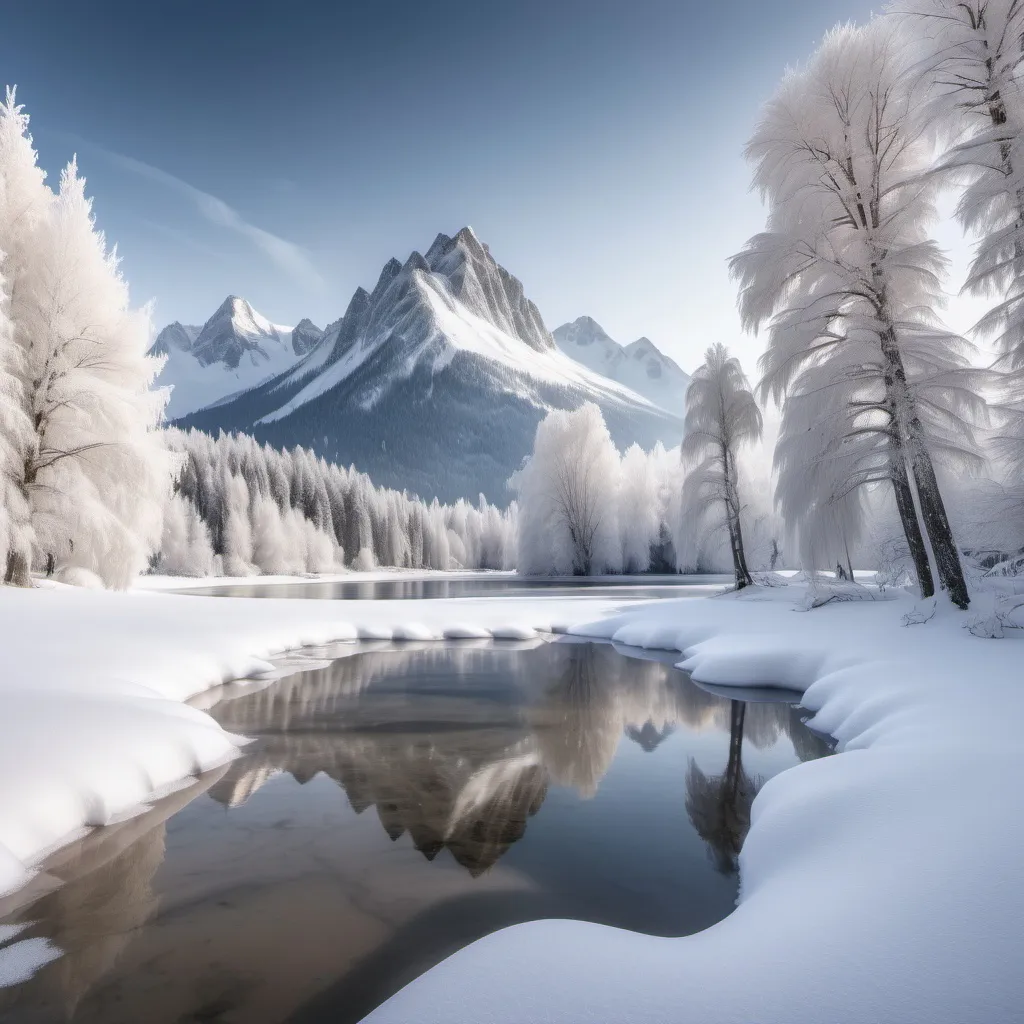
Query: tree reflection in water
(456, 747)
(719, 805)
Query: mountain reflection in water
(508, 782)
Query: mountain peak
(639, 365)
(435, 380)
(584, 330)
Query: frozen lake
(396, 804)
(476, 585)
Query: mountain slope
(434, 381)
(639, 365)
(233, 351)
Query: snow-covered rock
(234, 350)
(305, 336)
(639, 365)
(435, 381)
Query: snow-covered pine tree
(721, 416)
(99, 474)
(93, 472)
(15, 439)
(842, 156)
(262, 509)
(24, 202)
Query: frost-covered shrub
(568, 497)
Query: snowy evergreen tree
(721, 416)
(24, 203)
(268, 511)
(93, 472)
(99, 473)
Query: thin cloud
(287, 256)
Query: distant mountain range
(235, 350)
(433, 382)
(639, 365)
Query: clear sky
(284, 151)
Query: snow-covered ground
(878, 885)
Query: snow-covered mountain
(434, 381)
(234, 350)
(639, 365)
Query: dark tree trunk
(933, 511)
(732, 519)
(17, 572)
(936, 523)
(734, 766)
(908, 517)
(739, 557)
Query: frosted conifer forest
(434, 665)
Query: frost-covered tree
(568, 492)
(849, 281)
(93, 472)
(972, 53)
(15, 438)
(98, 473)
(721, 416)
(185, 547)
(24, 203)
(639, 512)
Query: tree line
(238, 509)
(879, 400)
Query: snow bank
(92, 720)
(878, 885)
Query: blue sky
(284, 152)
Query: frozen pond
(397, 803)
(478, 585)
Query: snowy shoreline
(880, 884)
(92, 697)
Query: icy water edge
(397, 803)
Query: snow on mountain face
(174, 337)
(639, 365)
(434, 381)
(236, 349)
(305, 337)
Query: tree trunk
(940, 533)
(743, 577)
(933, 511)
(17, 572)
(908, 517)
(732, 519)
